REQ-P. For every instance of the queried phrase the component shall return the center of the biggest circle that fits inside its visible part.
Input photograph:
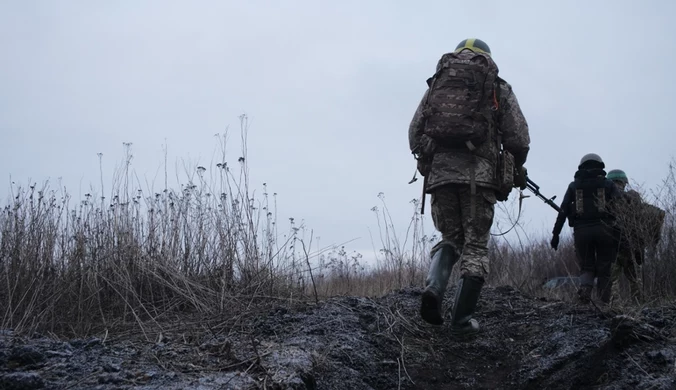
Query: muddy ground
(361, 343)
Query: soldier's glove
(555, 242)
(520, 175)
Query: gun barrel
(535, 189)
(554, 205)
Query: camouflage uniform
(449, 180)
(450, 214)
(630, 251)
(465, 234)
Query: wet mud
(363, 343)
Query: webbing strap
(517, 217)
(472, 187)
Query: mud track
(362, 343)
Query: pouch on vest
(505, 175)
(590, 200)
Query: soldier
(464, 119)
(587, 204)
(630, 249)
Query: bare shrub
(650, 234)
(141, 256)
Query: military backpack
(462, 100)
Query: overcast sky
(329, 88)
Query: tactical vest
(591, 199)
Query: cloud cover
(329, 87)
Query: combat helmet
(591, 158)
(474, 44)
(618, 175)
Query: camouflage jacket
(628, 216)
(640, 222)
(455, 167)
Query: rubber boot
(586, 286)
(435, 286)
(466, 298)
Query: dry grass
(525, 263)
(658, 274)
(140, 258)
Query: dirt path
(361, 343)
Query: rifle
(534, 188)
(418, 156)
(424, 186)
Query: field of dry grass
(135, 257)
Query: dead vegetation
(142, 258)
(202, 287)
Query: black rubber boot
(466, 298)
(435, 286)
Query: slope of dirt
(361, 343)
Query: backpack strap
(498, 132)
(496, 100)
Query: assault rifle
(418, 156)
(534, 188)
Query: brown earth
(362, 343)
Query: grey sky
(330, 89)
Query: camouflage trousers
(469, 235)
(626, 265)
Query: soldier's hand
(555, 242)
(520, 178)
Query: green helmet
(591, 157)
(619, 175)
(473, 44)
